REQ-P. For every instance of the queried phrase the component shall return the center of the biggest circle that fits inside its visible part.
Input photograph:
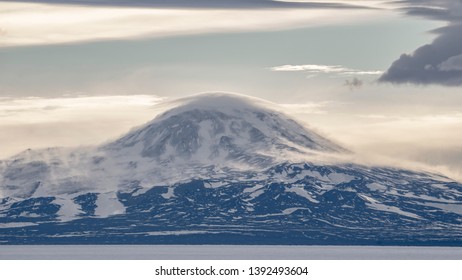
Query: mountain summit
(224, 129)
(221, 169)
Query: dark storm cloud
(439, 62)
(201, 4)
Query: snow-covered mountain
(221, 168)
(217, 131)
(221, 129)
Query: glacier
(221, 169)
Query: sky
(383, 78)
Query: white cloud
(69, 121)
(418, 136)
(362, 72)
(433, 140)
(35, 110)
(454, 63)
(307, 108)
(313, 68)
(323, 69)
(449, 118)
(32, 23)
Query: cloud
(37, 109)
(323, 69)
(312, 68)
(454, 63)
(355, 83)
(53, 23)
(69, 121)
(439, 62)
(433, 140)
(307, 108)
(446, 10)
(210, 4)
